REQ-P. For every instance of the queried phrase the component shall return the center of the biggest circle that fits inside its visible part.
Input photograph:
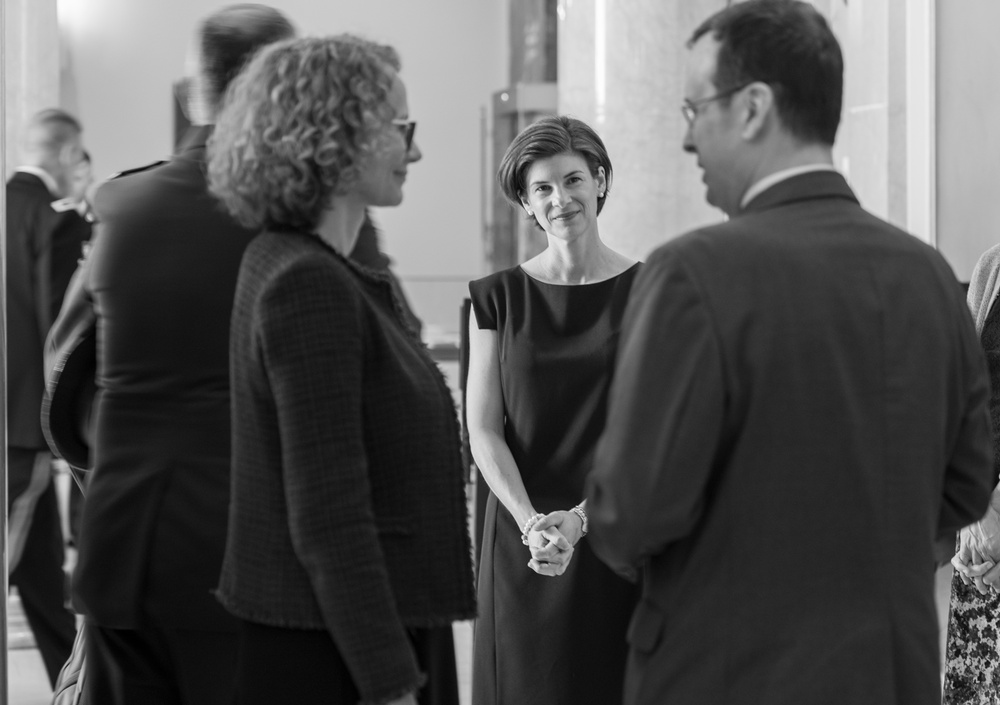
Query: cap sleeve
(484, 303)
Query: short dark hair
(231, 36)
(788, 45)
(546, 138)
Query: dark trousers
(157, 665)
(38, 575)
(278, 665)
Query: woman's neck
(580, 261)
(340, 224)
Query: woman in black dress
(543, 337)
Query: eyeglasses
(407, 128)
(690, 107)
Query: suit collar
(40, 175)
(808, 186)
(192, 145)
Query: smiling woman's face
(383, 173)
(562, 194)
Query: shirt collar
(777, 177)
(46, 177)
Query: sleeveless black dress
(539, 639)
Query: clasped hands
(551, 542)
(977, 561)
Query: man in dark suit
(161, 275)
(798, 411)
(44, 244)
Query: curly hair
(546, 138)
(295, 124)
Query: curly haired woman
(345, 583)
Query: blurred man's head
(223, 44)
(81, 179)
(52, 142)
(764, 82)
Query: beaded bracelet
(528, 525)
(582, 513)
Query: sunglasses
(406, 128)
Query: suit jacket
(348, 509)
(43, 247)
(161, 274)
(799, 409)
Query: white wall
(968, 138)
(120, 58)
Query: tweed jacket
(348, 494)
(799, 409)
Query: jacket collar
(192, 145)
(43, 176)
(808, 186)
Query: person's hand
(551, 552)
(979, 550)
(408, 699)
(992, 578)
(969, 562)
(569, 524)
(984, 535)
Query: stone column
(621, 69)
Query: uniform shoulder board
(63, 205)
(137, 170)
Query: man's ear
(758, 109)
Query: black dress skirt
(542, 639)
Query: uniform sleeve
(311, 333)
(654, 460)
(484, 303)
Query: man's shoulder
(141, 177)
(28, 186)
(138, 170)
(170, 185)
(708, 240)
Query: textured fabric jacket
(161, 274)
(799, 410)
(348, 508)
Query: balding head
(224, 42)
(52, 142)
